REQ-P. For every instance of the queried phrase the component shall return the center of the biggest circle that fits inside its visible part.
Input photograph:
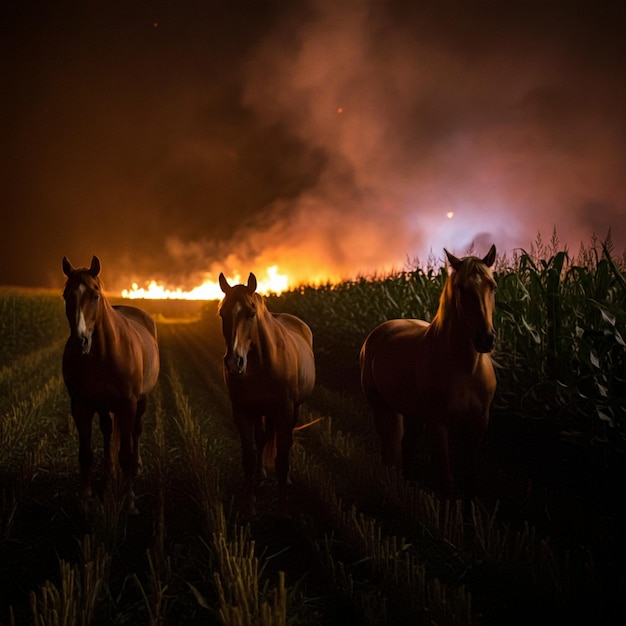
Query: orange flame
(272, 282)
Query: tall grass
(561, 324)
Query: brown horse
(110, 363)
(437, 377)
(269, 370)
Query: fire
(272, 282)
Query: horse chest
(257, 391)
(97, 381)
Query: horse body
(436, 376)
(110, 364)
(269, 370)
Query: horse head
(82, 295)
(238, 311)
(473, 291)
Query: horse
(436, 380)
(269, 370)
(110, 364)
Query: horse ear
(252, 283)
(94, 268)
(490, 257)
(455, 262)
(225, 287)
(67, 266)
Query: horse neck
(264, 339)
(104, 330)
(448, 327)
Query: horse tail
(303, 426)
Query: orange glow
(450, 214)
(272, 282)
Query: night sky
(180, 139)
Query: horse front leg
(263, 436)
(440, 459)
(246, 429)
(82, 419)
(470, 450)
(106, 427)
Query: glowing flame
(273, 282)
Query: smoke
(328, 138)
(433, 132)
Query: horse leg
(284, 441)
(82, 418)
(389, 426)
(246, 429)
(410, 447)
(106, 427)
(440, 458)
(263, 435)
(138, 429)
(470, 458)
(125, 422)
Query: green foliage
(561, 350)
(561, 330)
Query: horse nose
(235, 363)
(85, 343)
(81, 342)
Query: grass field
(545, 540)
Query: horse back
(294, 341)
(388, 362)
(295, 325)
(133, 313)
(143, 328)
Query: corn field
(544, 540)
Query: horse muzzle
(235, 364)
(82, 343)
(485, 342)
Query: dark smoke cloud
(331, 139)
